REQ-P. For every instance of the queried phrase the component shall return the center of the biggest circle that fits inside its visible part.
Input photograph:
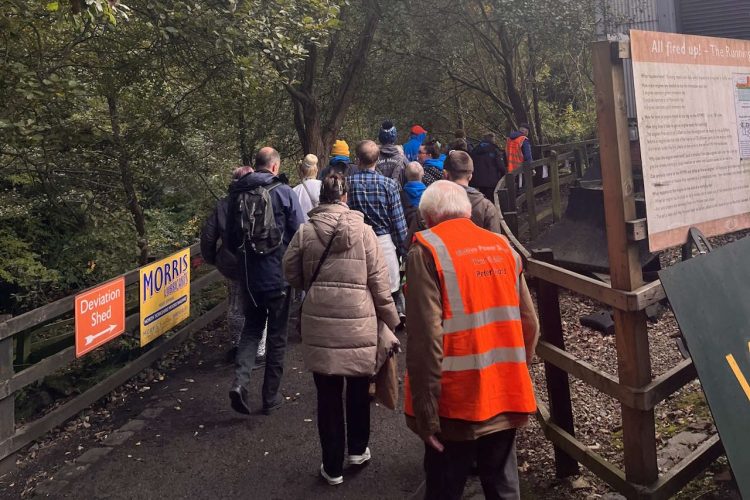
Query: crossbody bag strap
(322, 260)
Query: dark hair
(459, 145)
(433, 149)
(334, 187)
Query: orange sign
(100, 315)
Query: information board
(100, 315)
(709, 296)
(693, 103)
(164, 295)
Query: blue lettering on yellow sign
(155, 279)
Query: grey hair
(444, 200)
(414, 171)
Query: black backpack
(254, 223)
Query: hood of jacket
(485, 148)
(337, 221)
(389, 151)
(414, 190)
(339, 159)
(514, 135)
(252, 180)
(434, 162)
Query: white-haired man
(472, 331)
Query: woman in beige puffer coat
(340, 319)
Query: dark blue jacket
(525, 148)
(263, 273)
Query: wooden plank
(646, 295)
(688, 468)
(38, 428)
(580, 452)
(582, 370)
(633, 357)
(558, 387)
(46, 313)
(668, 383)
(547, 212)
(554, 175)
(7, 406)
(637, 229)
(578, 283)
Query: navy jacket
(263, 273)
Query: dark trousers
(262, 307)
(331, 418)
(488, 192)
(495, 456)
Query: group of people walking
(336, 245)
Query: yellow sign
(164, 295)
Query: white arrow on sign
(91, 338)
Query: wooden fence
(13, 439)
(634, 386)
(565, 163)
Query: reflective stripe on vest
(485, 359)
(484, 371)
(514, 152)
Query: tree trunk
(126, 176)
(314, 136)
(535, 93)
(509, 75)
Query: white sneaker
(331, 480)
(359, 459)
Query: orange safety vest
(484, 371)
(514, 152)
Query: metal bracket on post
(698, 239)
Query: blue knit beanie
(388, 133)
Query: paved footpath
(182, 440)
(186, 442)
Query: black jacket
(489, 165)
(263, 273)
(213, 249)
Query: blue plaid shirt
(378, 198)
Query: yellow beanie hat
(340, 148)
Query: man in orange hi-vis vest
(472, 331)
(518, 150)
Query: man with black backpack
(264, 215)
(391, 161)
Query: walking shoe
(359, 459)
(260, 362)
(333, 481)
(267, 410)
(238, 397)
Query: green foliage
(121, 124)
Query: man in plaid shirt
(378, 198)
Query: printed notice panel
(164, 295)
(100, 315)
(693, 103)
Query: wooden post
(633, 357)
(511, 183)
(554, 179)
(558, 387)
(7, 405)
(578, 162)
(528, 184)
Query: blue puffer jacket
(263, 272)
(411, 147)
